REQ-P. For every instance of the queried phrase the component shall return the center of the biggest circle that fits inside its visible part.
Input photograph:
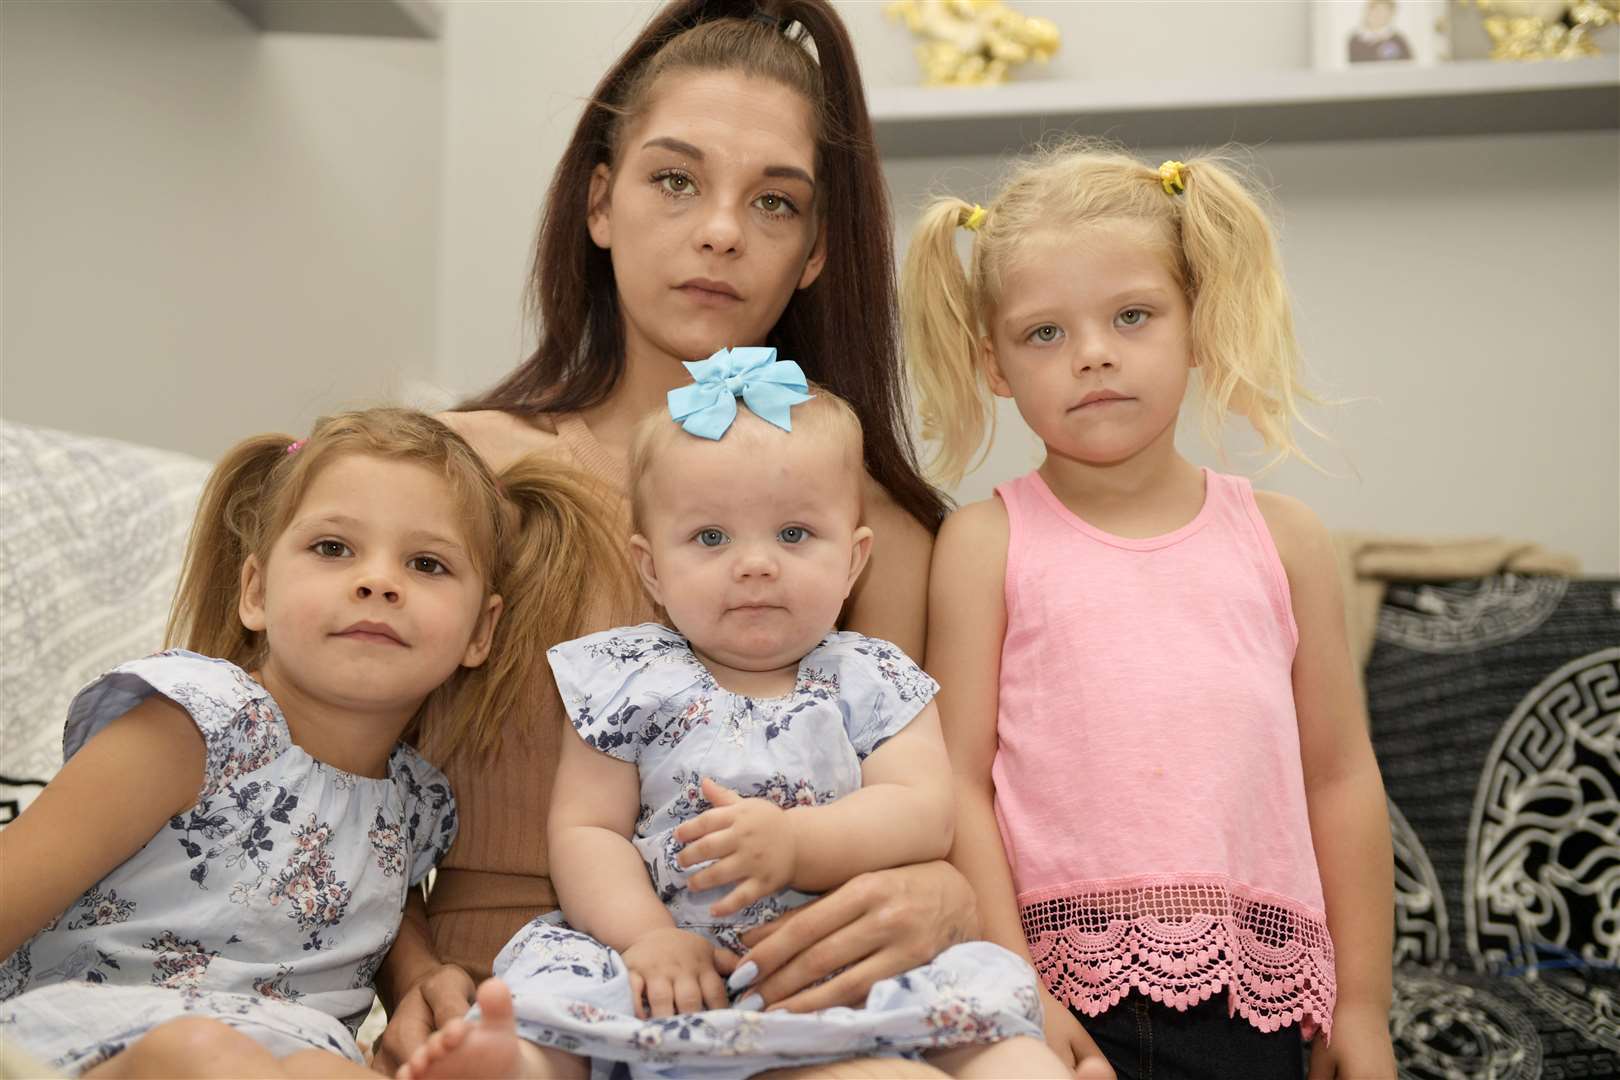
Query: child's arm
(1344, 794)
(967, 621)
(593, 814)
(604, 890)
(109, 800)
(900, 815)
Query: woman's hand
(672, 971)
(1361, 1045)
(750, 841)
(444, 994)
(876, 926)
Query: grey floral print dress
(269, 905)
(639, 694)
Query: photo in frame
(1362, 33)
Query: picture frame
(1367, 33)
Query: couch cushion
(92, 532)
(1495, 707)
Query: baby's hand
(672, 971)
(752, 841)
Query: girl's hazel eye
(427, 564)
(776, 205)
(329, 549)
(1045, 335)
(711, 537)
(674, 183)
(1133, 317)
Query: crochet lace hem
(1181, 940)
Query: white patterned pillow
(92, 532)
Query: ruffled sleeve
(241, 726)
(880, 689)
(430, 810)
(615, 684)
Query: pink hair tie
(293, 448)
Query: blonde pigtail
(1247, 355)
(942, 343)
(564, 571)
(226, 530)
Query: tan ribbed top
(495, 878)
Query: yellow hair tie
(972, 219)
(1171, 179)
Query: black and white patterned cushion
(1496, 712)
(92, 532)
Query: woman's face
(709, 213)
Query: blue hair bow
(768, 386)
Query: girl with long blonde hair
(217, 872)
(1168, 799)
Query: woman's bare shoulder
(501, 437)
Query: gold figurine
(1539, 29)
(973, 42)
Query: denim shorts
(1144, 1040)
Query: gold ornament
(1544, 29)
(973, 42)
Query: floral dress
(269, 905)
(639, 694)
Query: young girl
(210, 883)
(728, 768)
(1149, 702)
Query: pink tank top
(1148, 780)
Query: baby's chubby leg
(489, 1047)
(1022, 1055)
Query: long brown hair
(842, 329)
(536, 536)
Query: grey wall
(209, 231)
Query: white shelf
(1462, 98)
(372, 18)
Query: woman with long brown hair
(721, 189)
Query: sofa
(1495, 708)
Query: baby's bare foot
(487, 1047)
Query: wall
(188, 204)
(211, 231)
(1460, 292)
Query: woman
(721, 189)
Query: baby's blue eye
(711, 537)
(793, 534)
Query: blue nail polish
(743, 976)
(751, 1003)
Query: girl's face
(752, 543)
(709, 213)
(369, 599)
(1092, 340)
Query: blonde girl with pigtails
(1167, 796)
(216, 874)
